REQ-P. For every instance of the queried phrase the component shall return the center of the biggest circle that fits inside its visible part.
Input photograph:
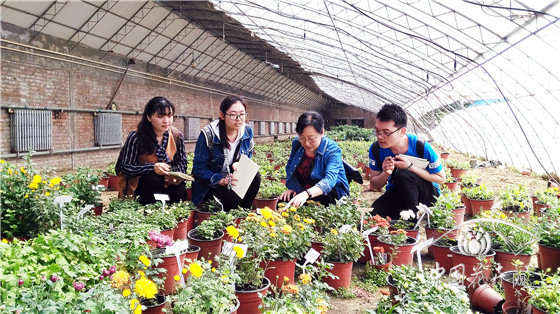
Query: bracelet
(309, 193)
(408, 167)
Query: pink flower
(78, 285)
(20, 282)
(54, 278)
(160, 239)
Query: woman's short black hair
(393, 112)
(310, 118)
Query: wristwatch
(309, 193)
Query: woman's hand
(300, 199)
(227, 179)
(287, 195)
(162, 168)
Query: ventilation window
(31, 130)
(108, 129)
(192, 128)
(262, 128)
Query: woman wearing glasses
(150, 153)
(407, 185)
(314, 169)
(218, 148)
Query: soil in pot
(154, 306)
(403, 255)
(410, 231)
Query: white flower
(407, 214)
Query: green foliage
(270, 189)
(210, 228)
(211, 206)
(549, 227)
(513, 240)
(212, 292)
(458, 165)
(442, 217)
(469, 180)
(182, 210)
(111, 169)
(374, 276)
(350, 133)
(83, 186)
(344, 212)
(547, 196)
(480, 192)
(515, 199)
(342, 247)
(354, 152)
(164, 219)
(547, 295)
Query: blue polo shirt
(433, 167)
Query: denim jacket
(328, 168)
(208, 172)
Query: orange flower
(378, 249)
(384, 291)
(292, 289)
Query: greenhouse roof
(479, 76)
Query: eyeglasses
(234, 116)
(384, 134)
(310, 140)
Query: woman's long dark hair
(224, 107)
(147, 142)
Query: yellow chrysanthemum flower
(33, 186)
(271, 223)
(334, 231)
(23, 170)
(126, 293)
(5, 241)
(26, 196)
(184, 271)
(141, 273)
(293, 208)
(135, 306)
(309, 221)
(285, 214)
(233, 232)
(305, 278)
(54, 181)
(266, 213)
(213, 269)
(145, 288)
(264, 224)
(47, 193)
(177, 277)
(120, 279)
(239, 251)
(2, 161)
(273, 234)
(36, 179)
(287, 229)
(145, 260)
(196, 270)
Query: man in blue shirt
(407, 185)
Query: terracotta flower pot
(512, 307)
(444, 155)
(189, 194)
(113, 182)
(538, 208)
(467, 202)
(317, 246)
(209, 249)
(471, 263)
(172, 268)
(536, 310)
(155, 308)
(98, 210)
(413, 233)
(525, 215)
(505, 259)
(384, 267)
(549, 257)
(481, 205)
(202, 216)
(362, 165)
(451, 186)
(249, 301)
(403, 255)
(104, 181)
(442, 254)
(180, 231)
(457, 173)
(514, 289)
(275, 271)
(169, 232)
(344, 273)
(486, 299)
(459, 215)
(191, 254)
(262, 203)
(436, 234)
(374, 242)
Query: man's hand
(401, 163)
(388, 165)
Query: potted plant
(515, 284)
(441, 251)
(163, 218)
(380, 260)
(481, 198)
(207, 209)
(269, 192)
(444, 155)
(515, 201)
(473, 251)
(82, 185)
(543, 200)
(468, 181)
(450, 181)
(251, 285)
(545, 298)
(184, 215)
(113, 176)
(382, 225)
(442, 218)
(399, 246)
(277, 242)
(458, 168)
(514, 244)
(549, 243)
(422, 292)
(206, 291)
(342, 250)
(406, 223)
(208, 236)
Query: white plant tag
(110, 226)
(179, 267)
(218, 200)
(418, 248)
(311, 256)
(227, 248)
(61, 200)
(84, 210)
(259, 210)
(369, 231)
(345, 228)
(366, 235)
(99, 187)
(163, 198)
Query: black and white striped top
(129, 163)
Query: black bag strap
(209, 135)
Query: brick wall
(347, 113)
(41, 82)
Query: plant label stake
(84, 210)
(418, 247)
(179, 267)
(218, 200)
(310, 257)
(362, 211)
(163, 198)
(61, 200)
(345, 228)
(425, 212)
(366, 234)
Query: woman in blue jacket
(314, 169)
(218, 148)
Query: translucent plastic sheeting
(481, 77)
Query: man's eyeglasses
(234, 116)
(309, 139)
(385, 134)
